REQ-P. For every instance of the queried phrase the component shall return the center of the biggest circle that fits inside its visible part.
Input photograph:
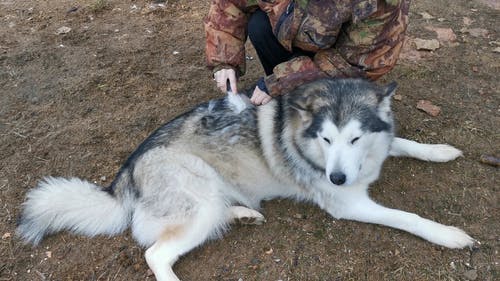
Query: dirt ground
(77, 102)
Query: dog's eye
(327, 140)
(354, 140)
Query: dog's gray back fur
(213, 126)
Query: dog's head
(343, 126)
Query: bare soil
(76, 104)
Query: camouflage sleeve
(225, 31)
(374, 43)
(367, 48)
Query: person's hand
(221, 78)
(260, 97)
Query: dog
(323, 142)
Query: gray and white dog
(324, 142)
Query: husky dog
(324, 142)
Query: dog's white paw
(452, 237)
(443, 153)
(246, 215)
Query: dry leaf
(428, 107)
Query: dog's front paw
(452, 237)
(443, 153)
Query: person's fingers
(221, 84)
(257, 97)
(254, 97)
(267, 99)
(260, 97)
(232, 81)
(222, 76)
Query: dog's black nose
(338, 178)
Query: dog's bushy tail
(71, 204)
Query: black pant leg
(269, 49)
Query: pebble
(426, 16)
(427, 45)
(490, 160)
(63, 30)
(471, 274)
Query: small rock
(496, 50)
(72, 9)
(494, 4)
(63, 30)
(307, 227)
(476, 32)
(48, 254)
(428, 107)
(490, 160)
(137, 267)
(453, 266)
(270, 251)
(428, 45)
(468, 21)
(6, 235)
(471, 274)
(151, 8)
(426, 16)
(299, 216)
(398, 97)
(443, 34)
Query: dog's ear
(387, 91)
(385, 94)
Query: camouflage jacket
(350, 38)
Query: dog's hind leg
(180, 207)
(177, 239)
(245, 215)
(422, 151)
(356, 205)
